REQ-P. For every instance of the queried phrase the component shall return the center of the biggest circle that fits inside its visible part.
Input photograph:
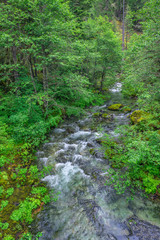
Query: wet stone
(143, 230)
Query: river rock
(138, 115)
(115, 107)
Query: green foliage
(9, 192)
(104, 53)
(1, 190)
(137, 161)
(46, 199)
(52, 59)
(29, 236)
(4, 203)
(142, 76)
(4, 226)
(33, 170)
(39, 191)
(8, 237)
(50, 64)
(114, 8)
(6, 144)
(24, 212)
(81, 8)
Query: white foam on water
(67, 169)
(80, 134)
(83, 146)
(77, 157)
(70, 146)
(51, 179)
(99, 159)
(59, 152)
(116, 88)
(59, 130)
(67, 175)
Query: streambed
(87, 209)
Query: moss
(105, 115)
(126, 109)
(14, 200)
(115, 107)
(92, 151)
(94, 176)
(15, 191)
(96, 114)
(138, 116)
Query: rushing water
(86, 208)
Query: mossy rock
(115, 107)
(126, 109)
(105, 115)
(138, 116)
(92, 151)
(96, 114)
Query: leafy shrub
(9, 192)
(138, 161)
(4, 226)
(4, 203)
(8, 237)
(39, 190)
(29, 236)
(24, 212)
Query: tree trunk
(32, 74)
(45, 87)
(102, 79)
(35, 72)
(94, 72)
(14, 55)
(123, 27)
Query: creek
(86, 208)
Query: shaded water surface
(86, 208)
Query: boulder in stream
(115, 107)
(138, 116)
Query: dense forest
(57, 58)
